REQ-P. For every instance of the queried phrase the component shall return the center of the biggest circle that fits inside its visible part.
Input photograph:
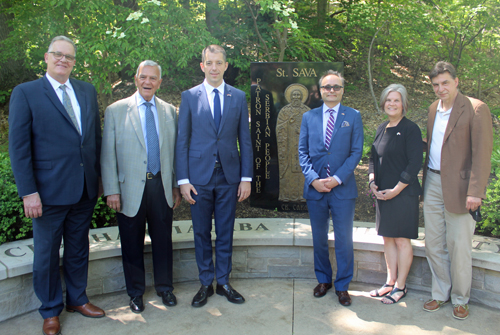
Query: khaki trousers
(448, 245)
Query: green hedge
(14, 225)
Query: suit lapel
(204, 107)
(430, 126)
(81, 96)
(456, 112)
(133, 113)
(338, 123)
(227, 104)
(160, 109)
(52, 95)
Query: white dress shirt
(440, 124)
(72, 96)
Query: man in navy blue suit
(211, 173)
(54, 146)
(330, 147)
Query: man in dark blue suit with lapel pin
(330, 148)
(211, 172)
(54, 146)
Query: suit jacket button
(81, 164)
(145, 162)
(215, 155)
(329, 153)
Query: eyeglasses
(59, 55)
(328, 88)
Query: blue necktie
(153, 144)
(217, 109)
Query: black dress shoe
(344, 298)
(200, 299)
(136, 304)
(230, 293)
(168, 298)
(321, 289)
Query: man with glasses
(330, 148)
(54, 146)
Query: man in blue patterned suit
(330, 147)
(212, 174)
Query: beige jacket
(124, 156)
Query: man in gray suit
(137, 163)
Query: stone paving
(273, 306)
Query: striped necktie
(328, 136)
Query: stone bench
(263, 248)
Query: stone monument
(280, 94)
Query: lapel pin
(398, 133)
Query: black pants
(155, 210)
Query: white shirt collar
(441, 110)
(335, 109)
(209, 88)
(55, 84)
(140, 100)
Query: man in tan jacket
(456, 171)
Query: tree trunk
(212, 11)
(321, 12)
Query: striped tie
(328, 137)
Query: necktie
(153, 144)
(69, 108)
(328, 136)
(217, 109)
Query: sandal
(392, 298)
(375, 293)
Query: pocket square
(345, 124)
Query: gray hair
(395, 88)
(148, 63)
(330, 73)
(62, 38)
(213, 48)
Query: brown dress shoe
(433, 305)
(51, 326)
(344, 298)
(87, 310)
(321, 289)
(460, 312)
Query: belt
(149, 175)
(435, 171)
(217, 165)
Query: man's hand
(331, 182)
(113, 202)
(186, 193)
(473, 203)
(32, 206)
(176, 194)
(319, 185)
(244, 190)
